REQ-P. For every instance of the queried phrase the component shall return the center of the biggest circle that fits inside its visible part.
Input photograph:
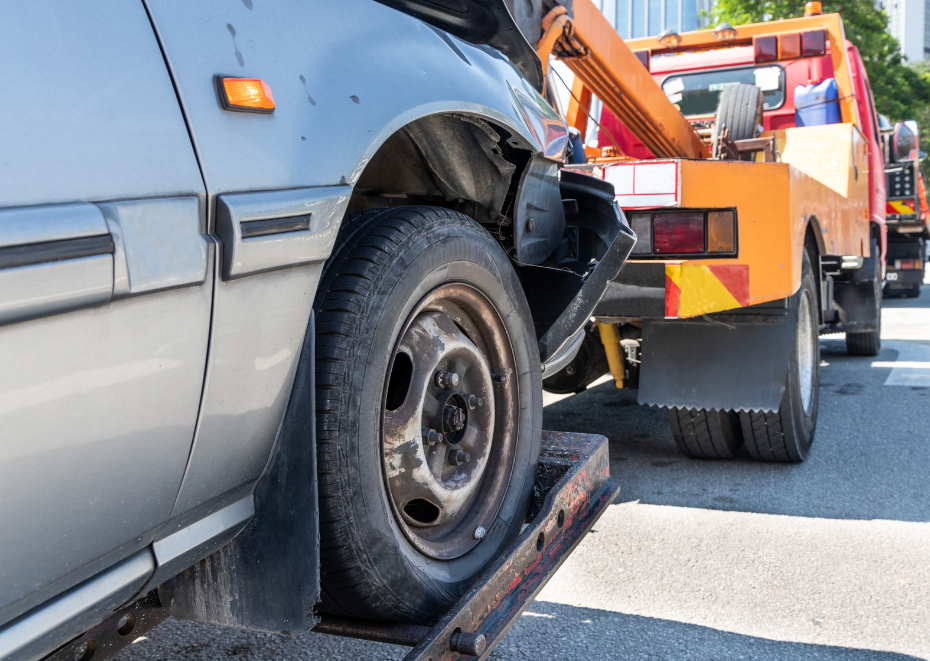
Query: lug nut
(474, 402)
(457, 457)
(453, 418)
(499, 379)
(480, 532)
(431, 436)
(447, 379)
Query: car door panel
(105, 294)
(53, 259)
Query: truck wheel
(786, 435)
(704, 434)
(429, 411)
(740, 110)
(869, 343)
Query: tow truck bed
(572, 490)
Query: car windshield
(698, 93)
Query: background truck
(276, 298)
(749, 162)
(906, 208)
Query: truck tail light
(790, 46)
(765, 48)
(679, 232)
(709, 233)
(641, 224)
(907, 264)
(720, 232)
(814, 43)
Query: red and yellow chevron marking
(693, 289)
(897, 206)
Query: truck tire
(786, 435)
(706, 434)
(913, 291)
(429, 411)
(740, 110)
(869, 342)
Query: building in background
(647, 18)
(909, 23)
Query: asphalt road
(826, 560)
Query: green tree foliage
(901, 91)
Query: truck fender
(815, 230)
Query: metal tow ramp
(573, 489)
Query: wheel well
(815, 247)
(455, 161)
(813, 237)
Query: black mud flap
(854, 299)
(267, 578)
(735, 366)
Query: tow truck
(906, 208)
(749, 163)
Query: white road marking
(912, 368)
(910, 364)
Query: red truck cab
(692, 81)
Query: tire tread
(703, 434)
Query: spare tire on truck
(429, 411)
(739, 110)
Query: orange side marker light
(246, 95)
(813, 8)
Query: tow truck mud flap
(715, 365)
(573, 489)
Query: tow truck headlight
(691, 233)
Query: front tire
(786, 435)
(423, 478)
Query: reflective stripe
(695, 289)
(896, 206)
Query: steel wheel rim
(806, 352)
(446, 508)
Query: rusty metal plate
(573, 489)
